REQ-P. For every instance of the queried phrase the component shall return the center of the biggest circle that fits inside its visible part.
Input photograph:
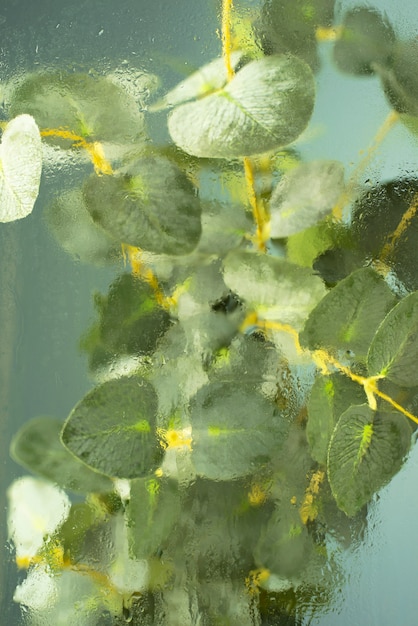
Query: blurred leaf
(267, 104)
(285, 545)
(235, 431)
(367, 449)
(205, 80)
(92, 108)
(367, 40)
(149, 203)
(330, 396)
(274, 287)
(400, 81)
(377, 215)
(37, 446)
(305, 196)
(347, 318)
(112, 429)
(74, 229)
(152, 511)
(130, 322)
(290, 26)
(20, 168)
(394, 350)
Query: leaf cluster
(254, 382)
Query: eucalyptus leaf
(285, 546)
(205, 80)
(20, 168)
(37, 446)
(366, 450)
(330, 396)
(267, 104)
(150, 204)
(112, 429)
(394, 350)
(290, 26)
(274, 287)
(93, 108)
(73, 228)
(347, 318)
(235, 431)
(367, 40)
(151, 513)
(131, 322)
(304, 196)
(400, 81)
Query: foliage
(255, 378)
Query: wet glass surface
(221, 521)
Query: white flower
(36, 509)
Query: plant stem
(94, 149)
(352, 184)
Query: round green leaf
(204, 81)
(92, 108)
(394, 350)
(150, 204)
(151, 512)
(37, 446)
(235, 431)
(367, 40)
(330, 396)
(112, 429)
(73, 228)
(20, 168)
(400, 80)
(347, 318)
(266, 105)
(366, 450)
(290, 26)
(130, 322)
(304, 196)
(274, 287)
(376, 217)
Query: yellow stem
(140, 269)
(226, 37)
(352, 184)
(262, 224)
(409, 214)
(94, 149)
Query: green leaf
(400, 81)
(376, 217)
(274, 287)
(149, 203)
(330, 396)
(367, 41)
(367, 449)
(131, 322)
(73, 228)
(92, 108)
(394, 350)
(20, 168)
(347, 318)
(235, 431)
(304, 196)
(285, 545)
(37, 446)
(112, 429)
(290, 26)
(205, 80)
(266, 105)
(152, 511)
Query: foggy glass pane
(208, 312)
